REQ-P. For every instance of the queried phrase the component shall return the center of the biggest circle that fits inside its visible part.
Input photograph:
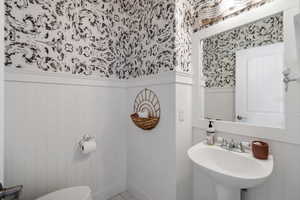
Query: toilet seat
(73, 193)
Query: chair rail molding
(170, 77)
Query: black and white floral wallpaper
(151, 26)
(102, 38)
(72, 36)
(184, 21)
(219, 50)
(105, 38)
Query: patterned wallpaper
(219, 50)
(183, 43)
(151, 28)
(102, 38)
(105, 38)
(72, 36)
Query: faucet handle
(224, 142)
(232, 144)
(241, 147)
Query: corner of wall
(2, 93)
(183, 124)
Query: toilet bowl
(73, 193)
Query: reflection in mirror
(242, 73)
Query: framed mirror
(242, 73)
(239, 67)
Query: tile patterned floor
(123, 196)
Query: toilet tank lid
(73, 193)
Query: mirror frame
(291, 132)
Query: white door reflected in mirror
(259, 92)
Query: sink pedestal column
(227, 193)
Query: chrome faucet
(241, 147)
(12, 192)
(224, 143)
(232, 146)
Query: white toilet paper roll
(88, 146)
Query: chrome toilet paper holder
(84, 139)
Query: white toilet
(73, 193)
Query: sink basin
(231, 171)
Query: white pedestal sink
(231, 171)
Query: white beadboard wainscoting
(151, 164)
(44, 122)
(47, 115)
(2, 94)
(219, 103)
(157, 165)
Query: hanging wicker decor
(146, 101)
(207, 13)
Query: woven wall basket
(146, 100)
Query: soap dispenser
(210, 134)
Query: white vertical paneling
(219, 103)
(157, 165)
(184, 187)
(44, 123)
(1, 92)
(151, 163)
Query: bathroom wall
(46, 117)
(151, 27)
(183, 26)
(184, 170)
(122, 40)
(60, 58)
(87, 38)
(157, 165)
(1, 95)
(116, 39)
(183, 98)
(151, 155)
(158, 168)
